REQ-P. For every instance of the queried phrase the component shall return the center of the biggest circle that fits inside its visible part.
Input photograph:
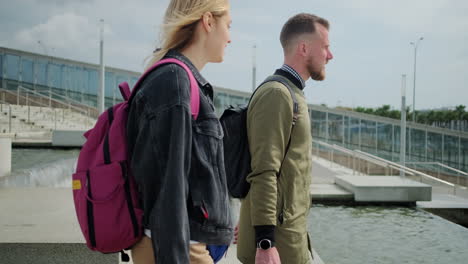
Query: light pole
(415, 44)
(101, 91)
(403, 124)
(254, 68)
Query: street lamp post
(415, 44)
(49, 83)
(254, 68)
(101, 91)
(403, 125)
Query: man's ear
(302, 48)
(207, 21)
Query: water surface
(41, 168)
(372, 234)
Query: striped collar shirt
(289, 69)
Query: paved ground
(46, 215)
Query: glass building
(59, 77)
(381, 136)
(79, 81)
(223, 98)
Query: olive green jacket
(269, 122)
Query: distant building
(78, 81)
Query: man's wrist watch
(265, 244)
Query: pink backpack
(104, 190)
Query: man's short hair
(300, 24)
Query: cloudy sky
(370, 40)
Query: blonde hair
(180, 21)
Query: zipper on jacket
(204, 211)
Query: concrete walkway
(323, 186)
(38, 225)
(42, 221)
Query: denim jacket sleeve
(161, 158)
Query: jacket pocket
(210, 127)
(207, 138)
(207, 182)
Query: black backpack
(236, 145)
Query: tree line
(456, 118)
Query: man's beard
(317, 75)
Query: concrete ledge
(456, 215)
(32, 143)
(385, 188)
(329, 192)
(450, 207)
(5, 154)
(39, 225)
(53, 253)
(68, 138)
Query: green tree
(395, 114)
(360, 109)
(383, 111)
(459, 111)
(441, 118)
(422, 117)
(431, 116)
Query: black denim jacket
(178, 163)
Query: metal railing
(417, 173)
(67, 104)
(35, 99)
(386, 165)
(64, 99)
(439, 167)
(355, 159)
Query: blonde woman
(177, 160)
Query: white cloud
(62, 34)
(70, 29)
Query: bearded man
(273, 217)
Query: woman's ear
(207, 21)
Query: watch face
(265, 244)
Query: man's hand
(269, 256)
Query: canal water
(40, 168)
(376, 234)
(340, 234)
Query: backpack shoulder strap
(194, 91)
(285, 82)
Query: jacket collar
(202, 82)
(290, 77)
